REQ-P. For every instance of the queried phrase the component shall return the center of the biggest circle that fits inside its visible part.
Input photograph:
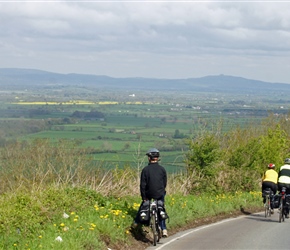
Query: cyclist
(284, 180)
(269, 180)
(153, 183)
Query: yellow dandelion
(40, 236)
(62, 224)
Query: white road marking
(197, 229)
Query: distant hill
(23, 78)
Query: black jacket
(153, 181)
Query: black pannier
(287, 200)
(144, 213)
(276, 201)
(161, 210)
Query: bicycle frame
(282, 204)
(268, 193)
(154, 222)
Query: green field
(129, 128)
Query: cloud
(175, 39)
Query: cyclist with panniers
(269, 180)
(153, 183)
(284, 180)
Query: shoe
(164, 233)
(272, 211)
(287, 216)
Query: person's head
(153, 154)
(271, 165)
(287, 161)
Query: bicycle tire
(269, 206)
(266, 208)
(281, 214)
(157, 228)
(154, 229)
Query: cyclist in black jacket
(153, 182)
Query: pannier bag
(267, 192)
(287, 200)
(144, 213)
(161, 210)
(276, 201)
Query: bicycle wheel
(283, 214)
(281, 208)
(158, 229)
(154, 229)
(269, 206)
(266, 207)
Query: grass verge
(79, 218)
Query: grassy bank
(79, 218)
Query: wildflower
(40, 236)
(58, 238)
(65, 215)
(62, 224)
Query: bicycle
(268, 194)
(282, 206)
(154, 222)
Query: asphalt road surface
(245, 232)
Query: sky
(152, 39)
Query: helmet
(287, 161)
(153, 153)
(271, 165)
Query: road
(250, 232)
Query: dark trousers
(269, 184)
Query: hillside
(12, 78)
